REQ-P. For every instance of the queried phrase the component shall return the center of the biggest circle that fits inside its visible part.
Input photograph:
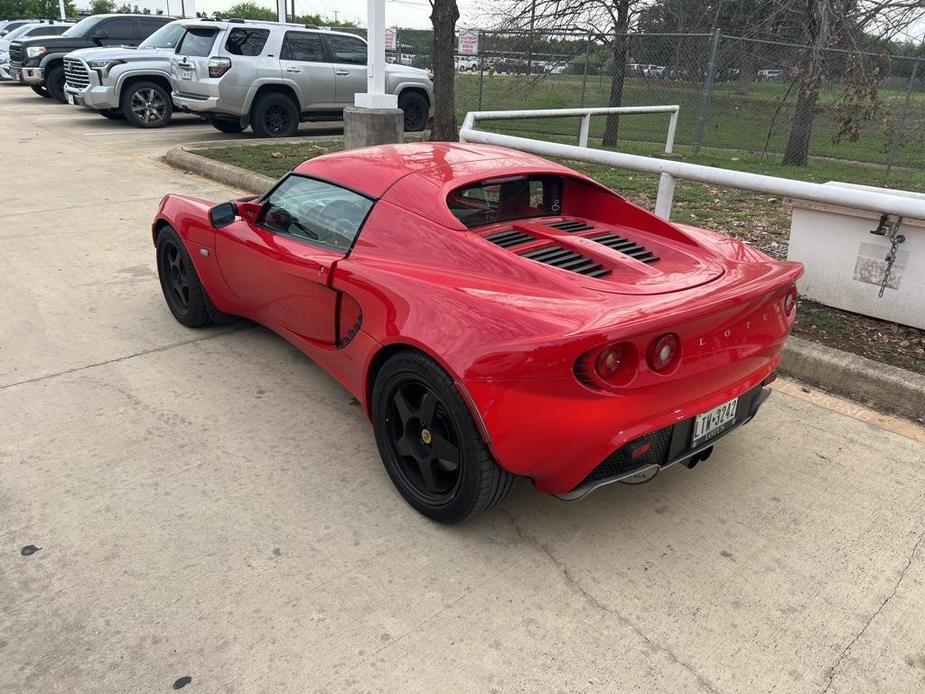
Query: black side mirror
(223, 215)
(100, 34)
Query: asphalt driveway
(209, 504)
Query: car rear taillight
(664, 353)
(219, 66)
(616, 363)
(790, 301)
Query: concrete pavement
(210, 504)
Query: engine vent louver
(566, 259)
(625, 246)
(509, 238)
(570, 225)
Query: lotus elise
(496, 314)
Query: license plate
(14, 73)
(713, 422)
(72, 100)
(186, 74)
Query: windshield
(18, 32)
(504, 199)
(84, 25)
(168, 36)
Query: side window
(197, 42)
(317, 212)
(347, 49)
(120, 29)
(246, 41)
(304, 46)
(149, 26)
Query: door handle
(342, 72)
(293, 69)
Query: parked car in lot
(129, 82)
(272, 76)
(770, 75)
(39, 62)
(50, 28)
(8, 25)
(495, 314)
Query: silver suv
(129, 82)
(272, 76)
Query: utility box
(846, 264)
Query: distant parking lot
(210, 505)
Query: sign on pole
(468, 42)
(391, 38)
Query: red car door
(278, 257)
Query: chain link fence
(736, 94)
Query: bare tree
(443, 17)
(604, 20)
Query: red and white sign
(391, 38)
(468, 42)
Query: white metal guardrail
(881, 203)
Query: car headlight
(104, 66)
(35, 51)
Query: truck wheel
(226, 125)
(146, 105)
(54, 82)
(415, 107)
(40, 90)
(275, 115)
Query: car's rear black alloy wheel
(177, 277)
(424, 439)
(276, 119)
(429, 443)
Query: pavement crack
(588, 597)
(116, 360)
(844, 654)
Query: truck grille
(75, 73)
(16, 53)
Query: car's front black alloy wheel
(429, 444)
(182, 289)
(147, 105)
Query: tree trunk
(620, 47)
(443, 17)
(801, 128)
(746, 69)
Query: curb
(883, 386)
(886, 387)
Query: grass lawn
(762, 220)
(734, 120)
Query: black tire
(416, 110)
(274, 115)
(225, 125)
(54, 83)
(418, 414)
(146, 104)
(111, 114)
(40, 90)
(182, 289)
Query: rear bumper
(664, 448)
(195, 104)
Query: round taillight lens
(609, 361)
(790, 301)
(664, 353)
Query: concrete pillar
(364, 127)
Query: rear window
(197, 42)
(505, 199)
(246, 41)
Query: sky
(406, 13)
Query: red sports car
(495, 313)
